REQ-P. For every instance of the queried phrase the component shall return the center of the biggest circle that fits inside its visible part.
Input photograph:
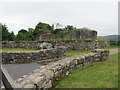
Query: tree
(43, 26)
(57, 26)
(11, 36)
(23, 31)
(37, 32)
(94, 34)
(40, 28)
(30, 34)
(57, 31)
(22, 35)
(5, 33)
(69, 27)
(53, 27)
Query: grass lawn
(73, 53)
(111, 47)
(96, 75)
(17, 49)
(76, 52)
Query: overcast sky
(100, 16)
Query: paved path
(18, 70)
(114, 51)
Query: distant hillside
(111, 37)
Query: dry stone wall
(101, 43)
(69, 44)
(27, 57)
(47, 76)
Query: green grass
(17, 49)
(73, 53)
(96, 75)
(110, 47)
(76, 52)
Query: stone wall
(47, 76)
(31, 56)
(85, 34)
(81, 33)
(101, 43)
(69, 44)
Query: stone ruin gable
(84, 34)
(47, 76)
(45, 35)
(32, 56)
(81, 33)
(69, 44)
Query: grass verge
(110, 47)
(76, 52)
(17, 49)
(96, 75)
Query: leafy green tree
(11, 36)
(30, 34)
(23, 31)
(40, 28)
(22, 35)
(56, 28)
(69, 28)
(57, 31)
(94, 34)
(5, 33)
(36, 33)
(43, 26)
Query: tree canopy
(6, 35)
(42, 29)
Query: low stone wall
(69, 44)
(101, 43)
(47, 76)
(31, 56)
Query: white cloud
(99, 16)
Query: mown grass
(110, 47)
(70, 53)
(17, 49)
(76, 52)
(96, 75)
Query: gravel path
(114, 51)
(18, 70)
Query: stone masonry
(31, 56)
(47, 76)
(69, 44)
